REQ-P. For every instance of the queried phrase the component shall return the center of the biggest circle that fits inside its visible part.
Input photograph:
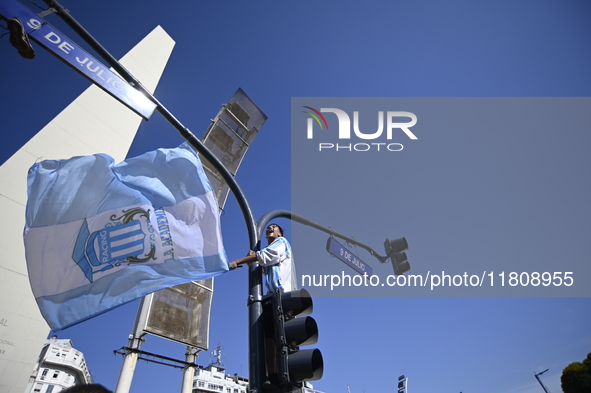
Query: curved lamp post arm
(265, 219)
(184, 131)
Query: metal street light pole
(184, 131)
(255, 276)
(543, 387)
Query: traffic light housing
(402, 384)
(287, 327)
(395, 251)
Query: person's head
(90, 388)
(273, 232)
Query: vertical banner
(182, 313)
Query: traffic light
(287, 327)
(402, 384)
(395, 251)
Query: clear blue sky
(276, 51)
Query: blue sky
(276, 51)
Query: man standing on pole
(276, 260)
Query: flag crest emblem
(123, 241)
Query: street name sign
(66, 50)
(341, 252)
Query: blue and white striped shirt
(277, 262)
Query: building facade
(60, 366)
(213, 379)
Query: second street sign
(342, 253)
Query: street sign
(342, 253)
(66, 50)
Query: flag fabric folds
(99, 235)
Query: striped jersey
(277, 262)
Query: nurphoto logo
(395, 121)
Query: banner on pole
(180, 313)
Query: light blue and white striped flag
(99, 235)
